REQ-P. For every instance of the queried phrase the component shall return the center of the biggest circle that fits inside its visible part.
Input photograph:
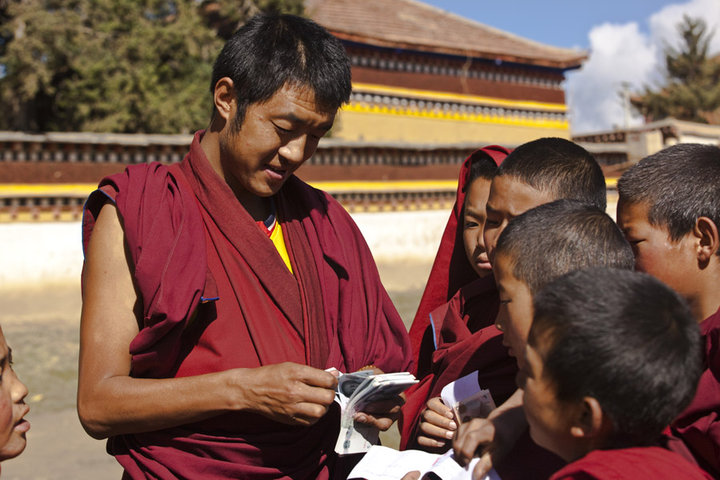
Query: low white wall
(33, 253)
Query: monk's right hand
(490, 438)
(288, 392)
(437, 425)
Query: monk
(669, 209)
(534, 173)
(534, 249)
(612, 356)
(216, 292)
(450, 345)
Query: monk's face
(509, 197)
(655, 252)
(550, 419)
(275, 138)
(12, 407)
(514, 318)
(474, 216)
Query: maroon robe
(195, 248)
(698, 427)
(451, 268)
(632, 464)
(466, 340)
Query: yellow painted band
(432, 95)
(456, 116)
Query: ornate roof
(412, 25)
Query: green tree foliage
(692, 85)
(114, 65)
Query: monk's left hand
(383, 413)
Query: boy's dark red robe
(195, 248)
(632, 464)
(695, 433)
(451, 268)
(454, 334)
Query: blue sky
(625, 41)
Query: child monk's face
(508, 198)
(655, 252)
(516, 310)
(550, 419)
(12, 406)
(474, 217)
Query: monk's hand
(437, 424)
(491, 439)
(382, 413)
(414, 475)
(288, 392)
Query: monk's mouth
(276, 173)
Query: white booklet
(354, 392)
(383, 463)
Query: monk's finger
(382, 423)
(483, 467)
(306, 413)
(434, 418)
(386, 406)
(315, 377)
(414, 475)
(434, 431)
(471, 436)
(436, 405)
(430, 442)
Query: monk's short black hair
(560, 167)
(559, 237)
(679, 184)
(623, 338)
(481, 166)
(271, 51)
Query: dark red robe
(456, 337)
(698, 427)
(195, 248)
(653, 463)
(451, 268)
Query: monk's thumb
(483, 466)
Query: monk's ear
(224, 98)
(707, 239)
(589, 420)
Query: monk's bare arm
(110, 402)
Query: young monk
(535, 248)
(611, 358)
(454, 350)
(537, 172)
(13, 425)
(451, 269)
(669, 209)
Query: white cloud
(622, 53)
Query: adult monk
(217, 291)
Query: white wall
(34, 253)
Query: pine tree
(692, 83)
(114, 65)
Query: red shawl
(698, 427)
(189, 238)
(451, 269)
(632, 464)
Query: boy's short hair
(679, 184)
(558, 237)
(560, 167)
(271, 51)
(624, 338)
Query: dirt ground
(41, 325)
